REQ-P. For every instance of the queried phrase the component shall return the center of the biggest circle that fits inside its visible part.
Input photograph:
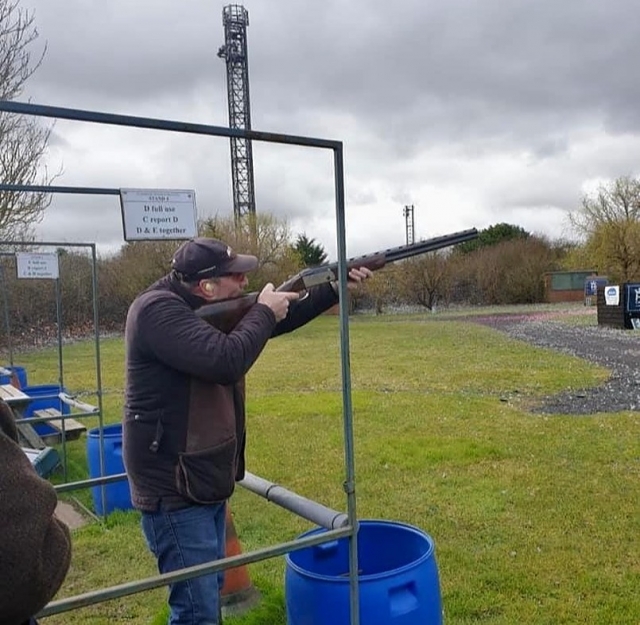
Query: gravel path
(617, 350)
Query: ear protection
(208, 287)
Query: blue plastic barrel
(21, 374)
(44, 396)
(398, 578)
(117, 494)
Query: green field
(535, 517)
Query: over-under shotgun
(225, 314)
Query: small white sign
(612, 295)
(150, 214)
(37, 265)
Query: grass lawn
(535, 517)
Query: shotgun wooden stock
(226, 313)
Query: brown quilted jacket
(35, 547)
(184, 430)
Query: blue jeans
(183, 538)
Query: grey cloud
(130, 49)
(362, 197)
(78, 218)
(421, 73)
(57, 139)
(399, 82)
(460, 71)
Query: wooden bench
(14, 396)
(18, 401)
(72, 429)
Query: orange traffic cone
(238, 594)
(15, 380)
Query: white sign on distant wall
(37, 265)
(150, 214)
(612, 295)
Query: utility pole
(407, 211)
(235, 19)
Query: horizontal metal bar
(80, 405)
(35, 188)
(26, 108)
(131, 588)
(47, 243)
(60, 417)
(306, 508)
(96, 481)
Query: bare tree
(424, 279)
(510, 272)
(609, 219)
(23, 140)
(263, 235)
(379, 290)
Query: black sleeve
(180, 339)
(318, 300)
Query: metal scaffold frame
(86, 409)
(346, 527)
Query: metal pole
(306, 508)
(349, 484)
(27, 108)
(5, 299)
(413, 224)
(96, 325)
(130, 588)
(60, 368)
(409, 224)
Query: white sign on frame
(152, 214)
(32, 265)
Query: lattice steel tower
(235, 19)
(407, 211)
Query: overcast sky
(476, 112)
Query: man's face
(230, 285)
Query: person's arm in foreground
(35, 546)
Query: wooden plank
(17, 400)
(29, 436)
(72, 428)
(51, 413)
(11, 394)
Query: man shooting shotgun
(184, 416)
(190, 339)
(225, 313)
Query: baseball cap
(201, 258)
